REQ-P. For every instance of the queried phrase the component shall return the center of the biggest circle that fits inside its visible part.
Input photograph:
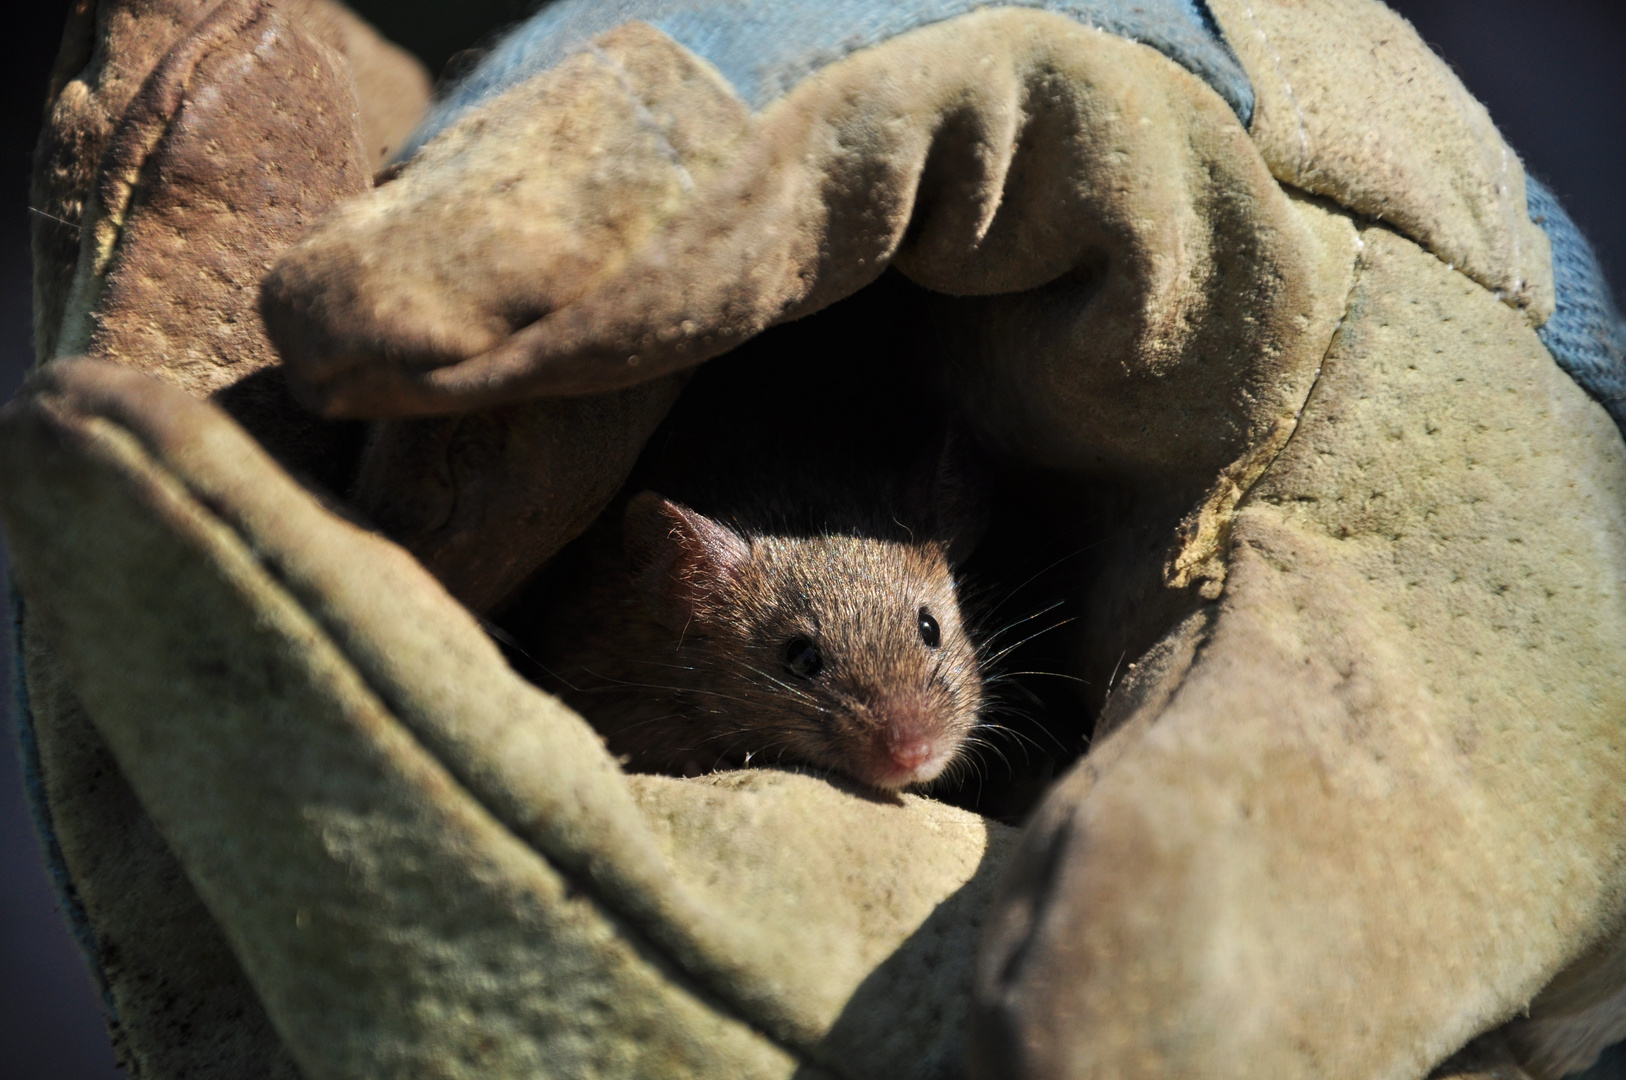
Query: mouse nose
(908, 744)
(910, 754)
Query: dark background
(1553, 75)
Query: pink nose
(910, 754)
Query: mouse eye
(929, 633)
(802, 658)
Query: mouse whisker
(991, 748)
(1007, 650)
(789, 688)
(645, 723)
(660, 663)
(986, 639)
(1021, 737)
(1051, 566)
(1004, 675)
(628, 684)
(963, 764)
(1016, 698)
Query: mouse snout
(911, 753)
(910, 744)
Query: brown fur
(681, 662)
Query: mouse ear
(681, 561)
(956, 495)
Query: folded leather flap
(313, 724)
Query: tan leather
(1356, 797)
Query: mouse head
(842, 652)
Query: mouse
(815, 621)
(781, 579)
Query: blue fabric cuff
(1585, 334)
(765, 47)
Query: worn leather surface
(1318, 833)
(185, 143)
(1352, 104)
(192, 145)
(1355, 803)
(606, 257)
(405, 843)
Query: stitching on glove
(150, 117)
(645, 117)
(1292, 99)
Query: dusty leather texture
(1352, 104)
(392, 87)
(1354, 805)
(766, 238)
(1334, 809)
(534, 473)
(485, 498)
(244, 129)
(160, 108)
(179, 1004)
(374, 319)
(106, 55)
(426, 823)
